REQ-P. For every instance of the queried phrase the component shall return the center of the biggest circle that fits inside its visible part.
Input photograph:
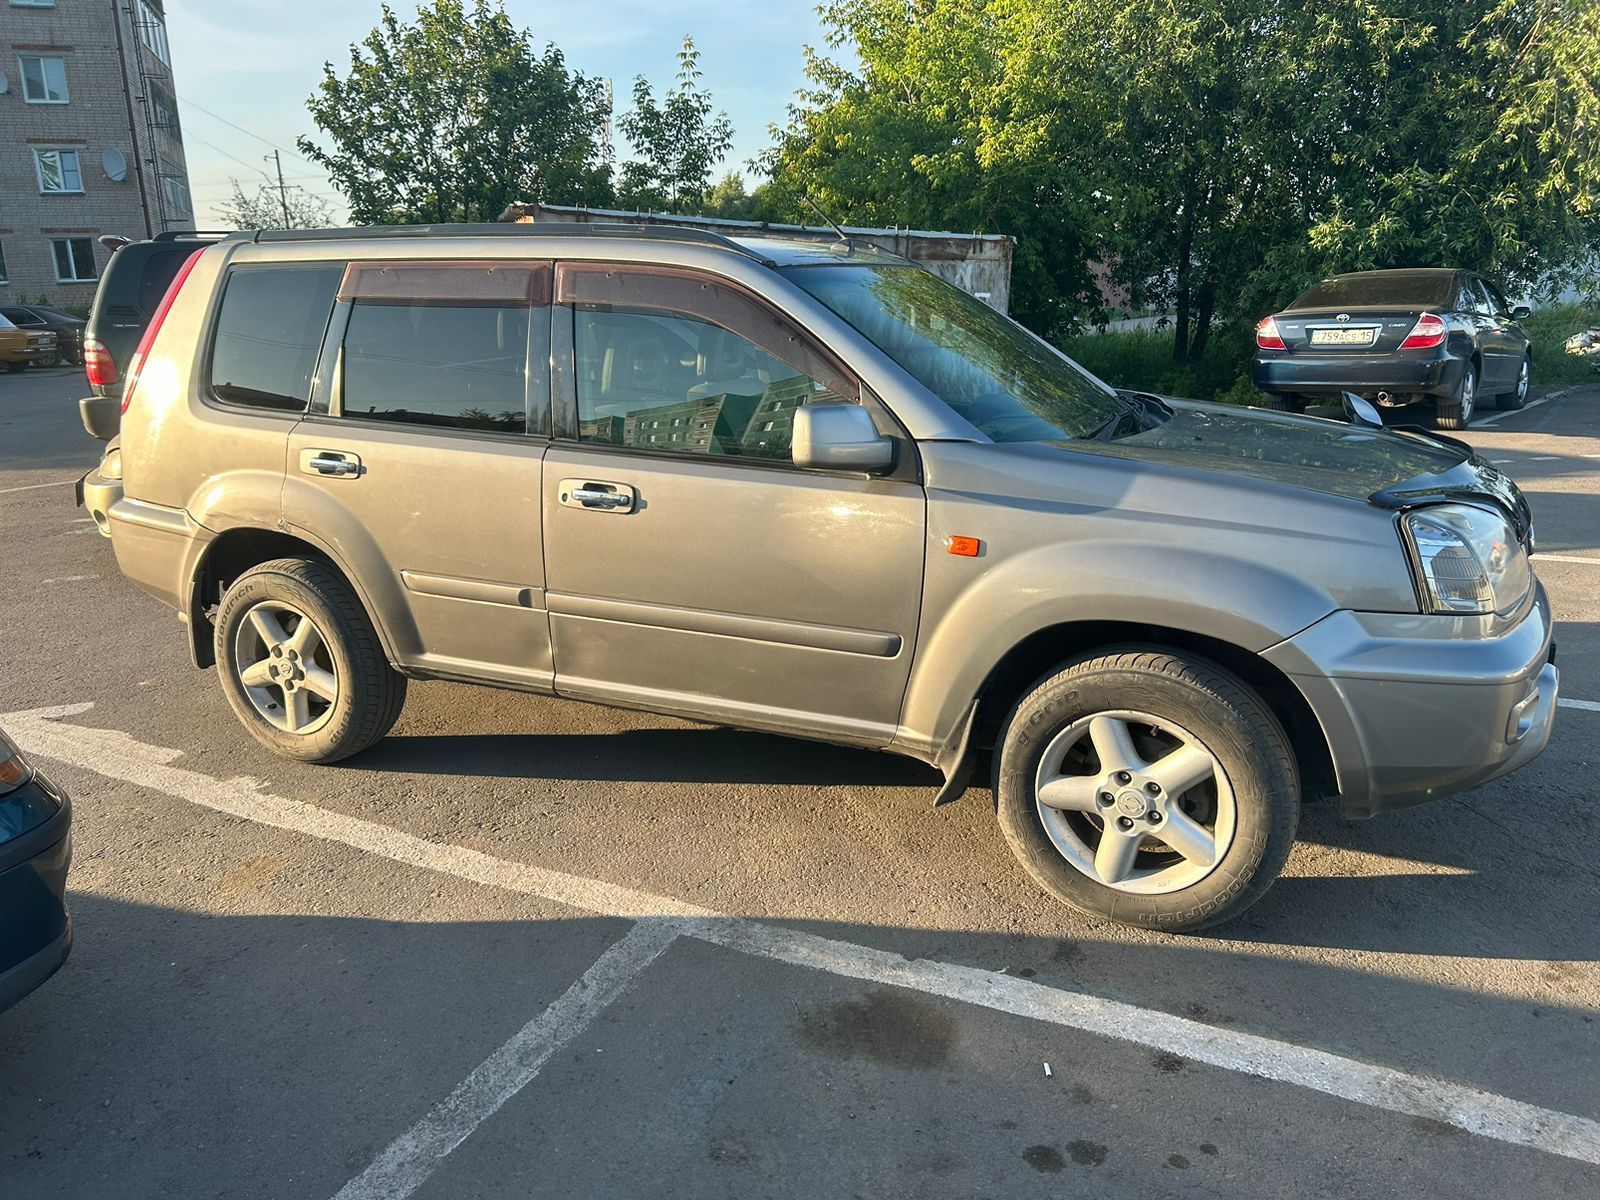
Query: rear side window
(444, 344)
(269, 332)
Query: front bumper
(1418, 707)
(1310, 374)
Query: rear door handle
(336, 463)
(595, 495)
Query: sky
(244, 69)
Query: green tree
(455, 115)
(676, 141)
(263, 209)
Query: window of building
(33, 3)
(175, 188)
(4, 278)
(269, 332)
(152, 31)
(44, 80)
(58, 170)
(74, 259)
(163, 109)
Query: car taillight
(136, 363)
(97, 364)
(1268, 337)
(1427, 333)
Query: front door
(691, 567)
(421, 471)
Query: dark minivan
(1431, 335)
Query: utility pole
(283, 192)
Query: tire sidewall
(267, 584)
(1254, 759)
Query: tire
(292, 712)
(1284, 403)
(1518, 396)
(1456, 412)
(1254, 773)
(16, 368)
(52, 359)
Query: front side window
(58, 170)
(669, 362)
(444, 345)
(74, 259)
(44, 80)
(1008, 383)
(269, 331)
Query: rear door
(419, 463)
(692, 567)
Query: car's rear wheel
(1148, 787)
(1456, 412)
(51, 358)
(1517, 396)
(301, 664)
(16, 368)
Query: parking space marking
(114, 754)
(1585, 705)
(28, 487)
(1511, 412)
(1593, 562)
(411, 1158)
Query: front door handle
(330, 462)
(595, 495)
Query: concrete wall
(102, 82)
(978, 263)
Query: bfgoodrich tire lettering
(367, 693)
(1223, 715)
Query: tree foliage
(677, 141)
(1217, 154)
(263, 209)
(454, 115)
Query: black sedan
(1431, 335)
(35, 848)
(67, 328)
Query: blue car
(35, 848)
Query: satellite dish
(114, 164)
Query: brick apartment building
(89, 141)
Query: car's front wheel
(1517, 396)
(1456, 412)
(301, 664)
(1148, 787)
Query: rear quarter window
(269, 332)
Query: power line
(246, 132)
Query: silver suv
(815, 490)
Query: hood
(1391, 468)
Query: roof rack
(522, 229)
(172, 235)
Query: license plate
(1343, 337)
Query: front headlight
(1468, 559)
(14, 771)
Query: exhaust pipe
(1385, 398)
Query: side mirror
(841, 437)
(1519, 311)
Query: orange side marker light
(966, 547)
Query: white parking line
(1593, 562)
(28, 487)
(1511, 412)
(411, 1158)
(117, 756)
(1585, 705)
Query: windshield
(1005, 381)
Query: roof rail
(523, 229)
(172, 235)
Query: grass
(1549, 328)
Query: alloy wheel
(1135, 802)
(287, 671)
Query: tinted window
(269, 332)
(1008, 383)
(159, 270)
(21, 316)
(671, 381)
(1497, 302)
(1380, 287)
(458, 365)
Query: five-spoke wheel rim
(1469, 388)
(284, 665)
(1135, 802)
(1523, 380)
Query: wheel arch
(233, 552)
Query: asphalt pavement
(527, 947)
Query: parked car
(67, 328)
(815, 490)
(35, 850)
(21, 348)
(127, 296)
(1398, 337)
